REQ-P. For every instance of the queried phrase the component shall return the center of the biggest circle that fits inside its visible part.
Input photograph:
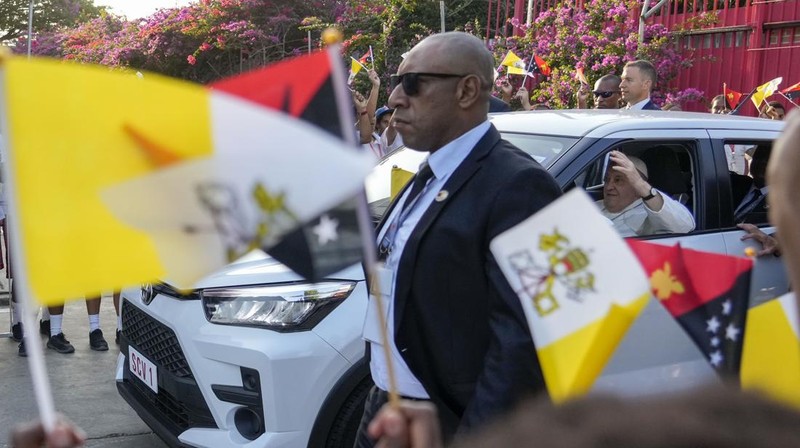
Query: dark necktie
(420, 180)
(749, 205)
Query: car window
(669, 168)
(747, 164)
(543, 148)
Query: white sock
(55, 324)
(14, 314)
(94, 322)
(119, 323)
(45, 313)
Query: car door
(769, 273)
(636, 368)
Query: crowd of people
(461, 354)
(460, 368)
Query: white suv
(256, 356)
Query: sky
(135, 9)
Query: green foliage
(48, 15)
(600, 37)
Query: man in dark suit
(457, 333)
(638, 80)
(750, 194)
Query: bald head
(444, 87)
(458, 52)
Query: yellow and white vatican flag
(516, 66)
(771, 353)
(580, 285)
(764, 91)
(118, 180)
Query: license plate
(143, 369)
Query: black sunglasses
(410, 81)
(605, 93)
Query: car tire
(345, 424)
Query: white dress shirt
(639, 105)
(443, 163)
(637, 219)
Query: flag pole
(30, 27)
(789, 99)
(742, 101)
(527, 71)
(372, 57)
(19, 284)
(365, 226)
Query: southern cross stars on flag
(792, 92)
(710, 306)
(305, 87)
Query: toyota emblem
(147, 293)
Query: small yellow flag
(400, 178)
(88, 146)
(771, 353)
(765, 91)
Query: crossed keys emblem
(566, 273)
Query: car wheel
(345, 424)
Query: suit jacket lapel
(460, 176)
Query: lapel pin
(442, 195)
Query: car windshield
(544, 148)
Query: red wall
(752, 43)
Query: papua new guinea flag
(706, 293)
(792, 92)
(313, 89)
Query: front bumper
(201, 372)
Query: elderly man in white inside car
(634, 207)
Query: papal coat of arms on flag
(580, 290)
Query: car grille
(154, 340)
(159, 344)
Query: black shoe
(60, 344)
(21, 351)
(116, 337)
(97, 342)
(44, 327)
(16, 332)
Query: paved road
(83, 384)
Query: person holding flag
(773, 111)
(458, 335)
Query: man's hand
(32, 435)
(524, 98)
(769, 245)
(374, 78)
(412, 424)
(622, 164)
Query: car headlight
(284, 307)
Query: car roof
(597, 123)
